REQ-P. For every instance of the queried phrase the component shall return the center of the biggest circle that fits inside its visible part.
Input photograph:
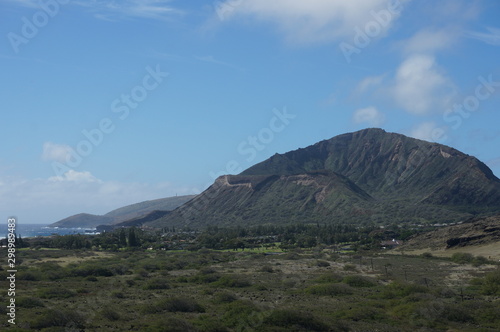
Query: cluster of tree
(214, 237)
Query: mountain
(480, 231)
(85, 220)
(361, 177)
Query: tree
(122, 238)
(132, 238)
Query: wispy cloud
(492, 37)
(56, 152)
(430, 40)
(311, 21)
(425, 131)
(111, 10)
(369, 115)
(211, 59)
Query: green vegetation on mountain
(366, 177)
(84, 220)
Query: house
(391, 244)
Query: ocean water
(33, 230)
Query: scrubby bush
(359, 281)
(29, 302)
(50, 318)
(91, 270)
(329, 278)
(232, 281)
(225, 297)
(156, 284)
(266, 268)
(321, 263)
(110, 314)
(173, 305)
(294, 320)
(237, 312)
(462, 258)
(29, 275)
(55, 292)
(329, 290)
(401, 289)
(172, 324)
(491, 283)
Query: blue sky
(106, 103)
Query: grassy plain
(313, 290)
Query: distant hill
(369, 176)
(85, 220)
(475, 232)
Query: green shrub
(359, 281)
(208, 323)
(118, 295)
(401, 289)
(225, 297)
(29, 302)
(55, 292)
(92, 270)
(232, 281)
(29, 275)
(329, 278)
(50, 318)
(237, 312)
(427, 255)
(329, 290)
(479, 260)
(462, 258)
(491, 283)
(204, 278)
(156, 284)
(110, 314)
(321, 263)
(172, 324)
(266, 268)
(294, 320)
(173, 305)
(363, 313)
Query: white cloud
(49, 200)
(74, 176)
(56, 152)
(492, 37)
(368, 115)
(420, 86)
(312, 20)
(112, 10)
(369, 82)
(429, 41)
(427, 131)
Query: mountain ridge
(368, 176)
(129, 212)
